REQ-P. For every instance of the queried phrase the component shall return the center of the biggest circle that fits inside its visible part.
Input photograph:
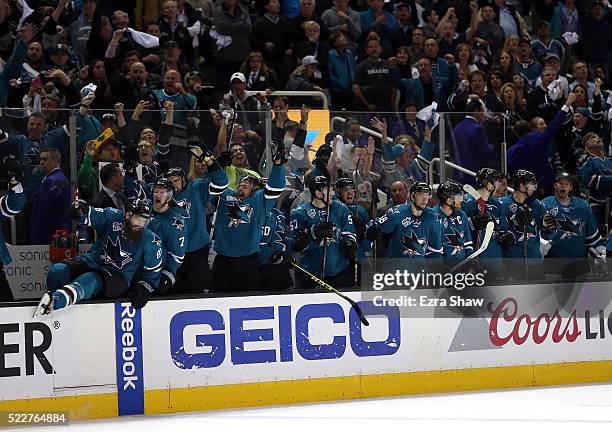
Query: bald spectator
(174, 91)
(51, 201)
(130, 90)
(307, 14)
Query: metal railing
(316, 94)
(363, 129)
(434, 161)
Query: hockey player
(194, 276)
(169, 225)
(345, 192)
(416, 232)
(10, 205)
(273, 265)
(484, 210)
(323, 238)
(595, 174)
(526, 217)
(124, 246)
(241, 214)
(456, 236)
(576, 234)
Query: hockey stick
(470, 190)
(327, 286)
(324, 257)
(525, 252)
(485, 243)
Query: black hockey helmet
(164, 183)
(140, 207)
(522, 176)
(344, 182)
(256, 182)
(447, 190)
(317, 184)
(420, 187)
(176, 172)
(485, 175)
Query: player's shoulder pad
(467, 198)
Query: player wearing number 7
(168, 223)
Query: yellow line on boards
(367, 386)
(81, 407)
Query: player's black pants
(275, 277)
(344, 279)
(193, 276)
(236, 274)
(6, 295)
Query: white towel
(26, 12)
(144, 39)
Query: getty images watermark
(408, 280)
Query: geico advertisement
(231, 340)
(71, 351)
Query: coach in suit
(51, 201)
(472, 149)
(111, 177)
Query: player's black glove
(374, 233)
(280, 157)
(141, 294)
(278, 258)
(301, 242)
(322, 230)
(225, 158)
(506, 240)
(207, 155)
(479, 222)
(78, 209)
(360, 228)
(166, 281)
(549, 222)
(349, 247)
(13, 171)
(523, 218)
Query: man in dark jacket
(531, 151)
(111, 177)
(51, 201)
(232, 21)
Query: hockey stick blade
(469, 189)
(485, 243)
(327, 286)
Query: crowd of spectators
(171, 78)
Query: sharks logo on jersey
(32, 156)
(186, 205)
(238, 213)
(156, 240)
(413, 245)
(179, 224)
(114, 254)
(454, 240)
(570, 227)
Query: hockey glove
(549, 222)
(360, 228)
(141, 294)
(78, 209)
(301, 242)
(322, 230)
(523, 218)
(166, 281)
(280, 157)
(349, 247)
(374, 233)
(506, 240)
(13, 171)
(479, 222)
(278, 258)
(598, 260)
(225, 159)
